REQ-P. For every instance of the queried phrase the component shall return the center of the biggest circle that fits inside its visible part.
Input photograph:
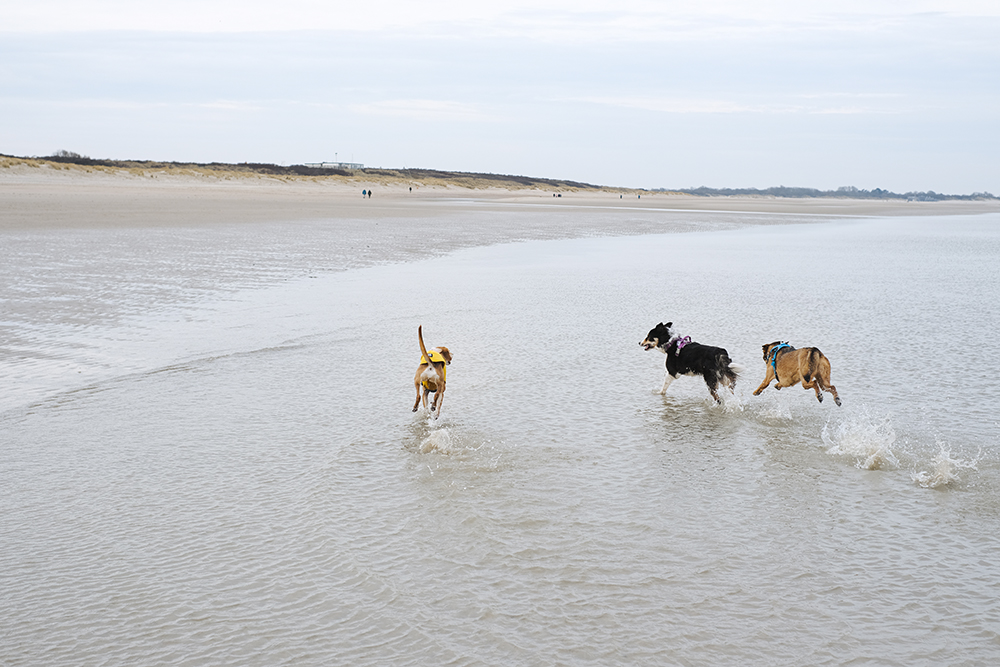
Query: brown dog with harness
(431, 374)
(788, 365)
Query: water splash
(732, 403)
(866, 438)
(439, 440)
(944, 467)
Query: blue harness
(774, 357)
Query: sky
(903, 96)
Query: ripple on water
(275, 502)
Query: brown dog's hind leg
(823, 378)
(815, 386)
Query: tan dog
(788, 366)
(431, 374)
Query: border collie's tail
(729, 372)
(420, 337)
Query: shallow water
(234, 476)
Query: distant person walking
(363, 193)
(369, 193)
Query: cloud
(427, 110)
(802, 104)
(553, 18)
(115, 104)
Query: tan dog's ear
(766, 347)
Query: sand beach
(35, 195)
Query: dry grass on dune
(423, 178)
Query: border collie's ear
(668, 324)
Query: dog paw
(837, 401)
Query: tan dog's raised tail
(788, 365)
(431, 374)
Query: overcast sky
(899, 95)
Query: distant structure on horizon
(335, 165)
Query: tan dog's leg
(416, 383)
(438, 400)
(818, 384)
(814, 385)
(823, 379)
(810, 366)
(833, 390)
(767, 381)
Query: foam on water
(944, 468)
(454, 441)
(865, 437)
(440, 440)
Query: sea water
(226, 470)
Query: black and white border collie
(685, 357)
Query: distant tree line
(848, 191)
